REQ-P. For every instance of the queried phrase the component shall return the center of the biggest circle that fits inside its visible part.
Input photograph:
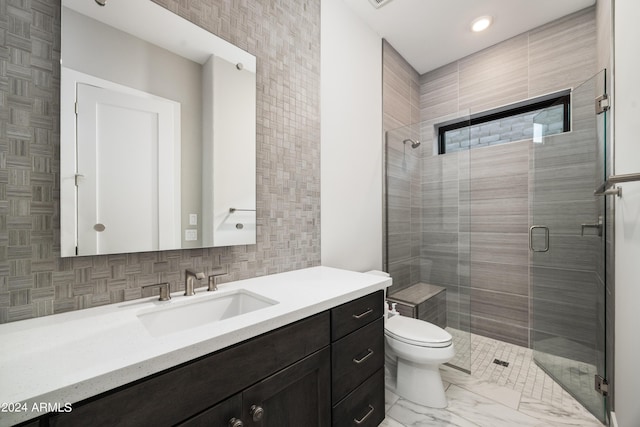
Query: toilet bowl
(418, 348)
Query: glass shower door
(427, 231)
(567, 248)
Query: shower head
(414, 144)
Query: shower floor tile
(520, 394)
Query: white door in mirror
(126, 47)
(135, 200)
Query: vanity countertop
(65, 358)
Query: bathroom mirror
(157, 147)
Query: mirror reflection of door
(108, 47)
(123, 208)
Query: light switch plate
(193, 219)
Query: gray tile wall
(481, 202)
(400, 90)
(498, 225)
(34, 281)
(403, 218)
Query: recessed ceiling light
(481, 23)
(378, 3)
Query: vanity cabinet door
(299, 395)
(220, 415)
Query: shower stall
(512, 231)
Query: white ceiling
(432, 33)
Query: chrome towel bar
(604, 189)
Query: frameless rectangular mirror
(158, 125)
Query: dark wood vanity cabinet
(324, 370)
(223, 414)
(357, 362)
(296, 396)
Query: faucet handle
(212, 281)
(165, 289)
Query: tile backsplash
(34, 281)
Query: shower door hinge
(602, 103)
(601, 385)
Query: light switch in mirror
(158, 132)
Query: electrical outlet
(190, 235)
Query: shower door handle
(546, 238)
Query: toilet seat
(417, 332)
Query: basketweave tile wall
(284, 35)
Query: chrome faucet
(190, 277)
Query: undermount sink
(180, 316)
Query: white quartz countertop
(65, 358)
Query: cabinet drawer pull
(234, 422)
(256, 412)
(368, 355)
(361, 315)
(361, 420)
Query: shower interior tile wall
(475, 204)
(401, 107)
(35, 281)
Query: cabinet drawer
(350, 316)
(355, 357)
(219, 415)
(363, 407)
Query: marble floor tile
(390, 422)
(390, 398)
(503, 395)
(485, 412)
(556, 416)
(493, 395)
(409, 414)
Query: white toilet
(415, 349)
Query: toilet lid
(417, 332)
